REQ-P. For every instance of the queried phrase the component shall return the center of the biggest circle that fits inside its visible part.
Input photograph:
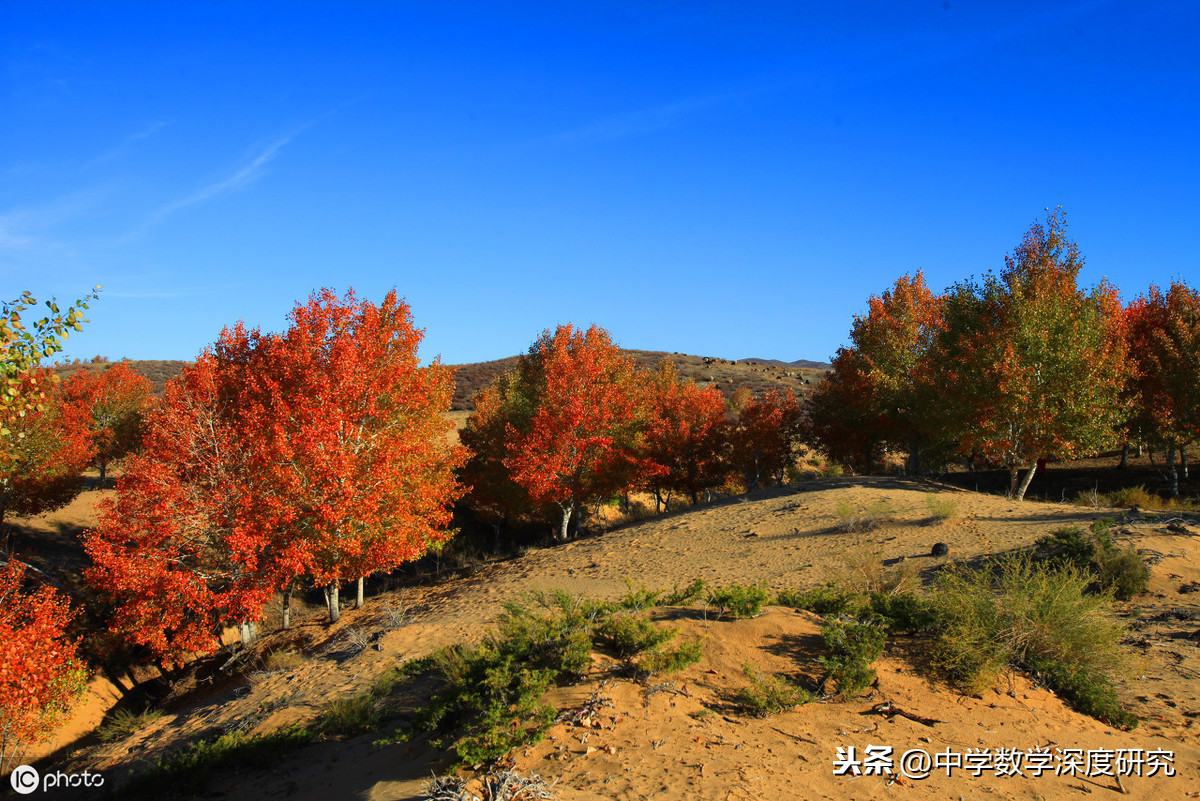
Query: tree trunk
(332, 604)
(914, 454)
(287, 604)
(103, 465)
(247, 631)
(657, 501)
(1172, 473)
(578, 517)
(1020, 495)
(1183, 462)
(1139, 449)
(1124, 463)
(566, 521)
(695, 497)
(358, 601)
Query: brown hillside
(726, 375)
(159, 372)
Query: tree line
(1010, 370)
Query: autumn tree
(23, 345)
(894, 340)
(41, 676)
(1029, 365)
(179, 552)
(353, 455)
(685, 436)
(764, 434)
(114, 400)
(318, 452)
(577, 420)
(841, 416)
(492, 494)
(46, 451)
(1163, 330)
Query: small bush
(284, 659)
(736, 601)
(188, 772)
(638, 599)
(853, 645)
(124, 722)
(670, 660)
(1119, 570)
(873, 517)
(629, 635)
(829, 599)
(1036, 617)
(903, 612)
(941, 508)
(769, 695)
(682, 597)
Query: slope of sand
(683, 739)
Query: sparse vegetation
(124, 722)
(1137, 496)
(1040, 618)
(851, 521)
(853, 645)
(768, 695)
(1118, 570)
(941, 508)
(736, 601)
(489, 700)
(188, 772)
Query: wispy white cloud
(128, 144)
(639, 122)
(240, 178)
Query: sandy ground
(683, 739)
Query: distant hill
(797, 363)
(159, 372)
(757, 375)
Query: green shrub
(638, 599)
(902, 611)
(853, 645)
(1119, 570)
(629, 635)
(690, 593)
(828, 599)
(1037, 617)
(188, 772)
(670, 660)
(738, 602)
(489, 700)
(769, 695)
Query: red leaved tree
(45, 452)
(1029, 365)
(841, 415)
(351, 455)
(114, 400)
(180, 551)
(40, 674)
(577, 438)
(685, 436)
(1163, 330)
(764, 435)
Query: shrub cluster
(489, 700)
(1120, 571)
(1039, 618)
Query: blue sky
(725, 179)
